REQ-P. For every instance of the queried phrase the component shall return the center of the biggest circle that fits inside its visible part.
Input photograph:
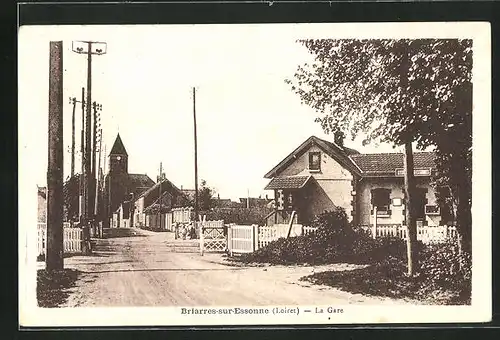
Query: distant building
(189, 193)
(121, 187)
(147, 206)
(254, 202)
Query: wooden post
(256, 237)
(72, 173)
(82, 153)
(93, 164)
(375, 218)
(55, 201)
(290, 224)
(195, 157)
(202, 238)
(229, 240)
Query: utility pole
(82, 204)
(73, 101)
(96, 126)
(55, 201)
(89, 48)
(97, 187)
(159, 196)
(98, 149)
(105, 155)
(195, 159)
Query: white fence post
(255, 237)
(200, 226)
(230, 240)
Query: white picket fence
(72, 239)
(249, 238)
(426, 234)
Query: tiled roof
(334, 146)
(139, 183)
(166, 186)
(287, 182)
(378, 163)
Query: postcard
(254, 174)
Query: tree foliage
(398, 91)
(71, 192)
(205, 194)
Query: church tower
(118, 158)
(117, 178)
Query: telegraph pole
(98, 181)
(81, 201)
(87, 47)
(55, 201)
(159, 197)
(96, 107)
(73, 101)
(195, 159)
(82, 152)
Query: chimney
(338, 137)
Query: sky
(248, 119)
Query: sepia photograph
(254, 174)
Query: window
(315, 161)
(431, 209)
(381, 198)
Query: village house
(320, 175)
(155, 202)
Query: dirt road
(142, 271)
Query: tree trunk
(411, 222)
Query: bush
(300, 249)
(332, 242)
(254, 215)
(444, 278)
(445, 268)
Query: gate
(242, 238)
(212, 236)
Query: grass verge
(390, 280)
(52, 286)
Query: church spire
(118, 147)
